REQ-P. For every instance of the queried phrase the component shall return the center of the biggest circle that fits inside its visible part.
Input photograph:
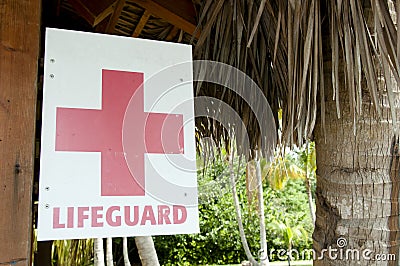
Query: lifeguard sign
(118, 153)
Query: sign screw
(47, 206)
(47, 188)
(52, 60)
(52, 76)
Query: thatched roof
(281, 45)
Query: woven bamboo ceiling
(169, 20)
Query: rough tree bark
(357, 183)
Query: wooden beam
(58, 7)
(102, 26)
(93, 12)
(142, 22)
(180, 36)
(83, 11)
(180, 13)
(115, 16)
(172, 34)
(19, 50)
(97, 6)
(100, 17)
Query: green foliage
(219, 240)
(290, 233)
(73, 252)
(283, 168)
(307, 159)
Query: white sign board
(118, 150)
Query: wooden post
(19, 50)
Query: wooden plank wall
(19, 50)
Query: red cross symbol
(121, 131)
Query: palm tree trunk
(308, 184)
(109, 255)
(238, 213)
(357, 193)
(98, 252)
(289, 254)
(125, 251)
(310, 198)
(147, 251)
(263, 237)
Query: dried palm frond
(225, 35)
(286, 46)
(283, 47)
